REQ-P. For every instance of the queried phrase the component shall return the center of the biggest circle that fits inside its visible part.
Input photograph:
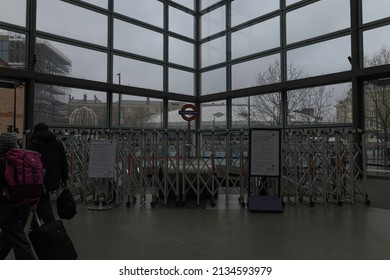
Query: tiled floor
(301, 232)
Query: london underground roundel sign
(189, 112)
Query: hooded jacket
(53, 157)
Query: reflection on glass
(375, 10)
(58, 105)
(320, 105)
(148, 43)
(181, 22)
(181, 82)
(133, 73)
(12, 49)
(214, 51)
(319, 59)
(244, 10)
(213, 22)
(149, 11)
(377, 112)
(261, 71)
(181, 52)
(214, 81)
(13, 12)
(136, 111)
(64, 25)
(316, 19)
(67, 60)
(213, 115)
(376, 46)
(256, 38)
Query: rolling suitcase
(51, 241)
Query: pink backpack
(24, 175)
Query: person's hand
(64, 184)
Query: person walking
(12, 219)
(55, 164)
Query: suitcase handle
(36, 217)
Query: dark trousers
(12, 236)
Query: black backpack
(66, 205)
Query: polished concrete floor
(351, 232)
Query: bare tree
(377, 97)
(307, 105)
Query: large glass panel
(148, 43)
(316, 19)
(81, 25)
(181, 81)
(137, 73)
(244, 10)
(214, 81)
(58, 105)
(12, 107)
(187, 3)
(13, 12)
(213, 22)
(256, 38)
(320, 105)
(136, 111)
(261, 71)
(257, 111)
(319, 59)
(377, 124)
(181, 22)
(175, 120)
(67, 60)
(376, 46)
(12, 49)
(149, 11)
(375, 10)
(181, 52)
(207, 3)
(214, 51)
(213, 115)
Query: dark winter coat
(53, 157)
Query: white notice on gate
(102, 158)
(264, 157)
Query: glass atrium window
(316, 19)
(182, 82)
(213, 115)
(214, 52)
(149, 43)
(213, 22)
(149, 11)
(181, 52)
(12, 49)
(175, 120)
(181, 22)
(214, 81)
(257, 72)
(186, 3)
(99, 3)
(244, 10)
(376, 46)
(13, 12)
(375, 10)
(57, 105)
(136, 111)
(256, 38)
(132, 73)
(67, 60)
(207, 3)
(63, 25)
(319, 59)
(320, 105)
